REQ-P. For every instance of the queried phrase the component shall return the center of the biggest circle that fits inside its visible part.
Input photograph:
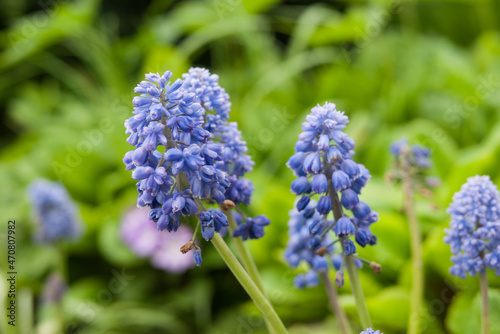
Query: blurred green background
(427, 70)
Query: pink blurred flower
(163, 248)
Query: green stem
(246, 282)
(357, 291)
(352, 270)
(271, 318)
(196, 231)
(245, 257)
(485, 310)
(345, 327)
(243, 252)
(417, 282)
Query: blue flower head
(474, 233)
(416, 156)
(324, 166)
(204, 157)
(55, 212)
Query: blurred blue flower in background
(474, 233)
(418, 156)
(56, 214)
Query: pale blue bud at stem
(197, 257)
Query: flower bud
(322, 251)
(187, 247)
(377, 268)
(227, 205)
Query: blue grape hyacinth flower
(418, 156)
(55, 212)
(474, 233)
(414, 161)
(185, 151)
(324, 166)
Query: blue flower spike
(204, 157)
(328, 181)
(474, 233)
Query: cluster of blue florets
(418, 156)
(55, 212)
(323, 166)
(210, 95)
(188, 119)
(168, 115)
(474, 233)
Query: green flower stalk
(243, 252)
(410, 164)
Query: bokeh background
(426, 70)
